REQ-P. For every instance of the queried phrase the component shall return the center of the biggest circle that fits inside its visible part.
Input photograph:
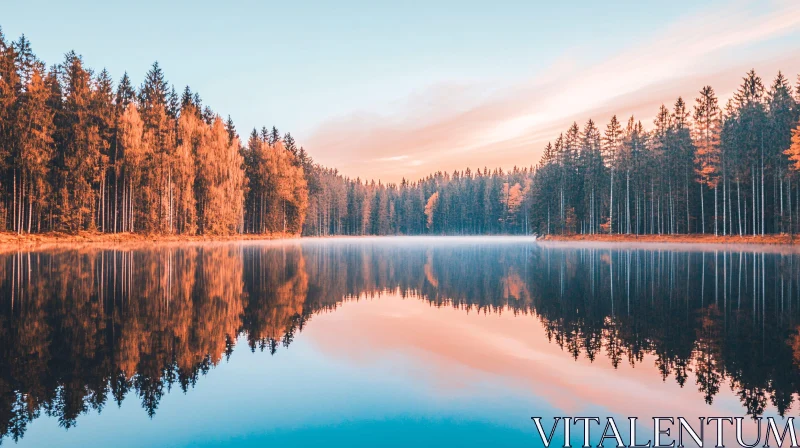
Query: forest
(79, 152)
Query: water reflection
(83, 328)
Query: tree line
(78, 152)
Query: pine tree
(25, 60)
(750, 140)
(125, 92)
(594, 174)
(682, 152)
(187, 99)
(707, 140)
(173, 103)
(230, 128)
(274, 136)
(103, 112)
(289, 144)
(79, 160)
(10, 89)
(781, 120)
(612, 140)
(159, 133)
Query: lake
(386, 341)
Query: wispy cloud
(451, 127)
(392, 158)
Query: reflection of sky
(393, 372)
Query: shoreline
(14, 241)
(55, 240)
(775, 240)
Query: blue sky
(360, 66)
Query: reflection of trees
(81, 328)
(276, 283)
(78, 328)
(692, 312)
(719, 317)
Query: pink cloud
(448, 127)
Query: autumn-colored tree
(134, 153)
(10, 87)
(220, 183)
(793, 152)
(192, 134)
(430, 209)
(278, 198)
(33, 158)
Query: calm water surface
(386, 342)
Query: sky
(391, 90)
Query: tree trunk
(14, 213)
(116, 199)
(628, 201)
(739, 204)
(21, 214)
(782, 228)
(610, 208)
(652, 207)
(686, 179)
(30, 212)
(702, 211)
(789, 200)
(716, 232)
(762, 183)
(753, 170)
(724, 204)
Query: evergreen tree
(707, 140)
(79, 159)
(230, 128)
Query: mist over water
(432, 340)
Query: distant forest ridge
(80, 152)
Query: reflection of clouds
(454, 351)
(473, 125)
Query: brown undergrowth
(14, 241)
